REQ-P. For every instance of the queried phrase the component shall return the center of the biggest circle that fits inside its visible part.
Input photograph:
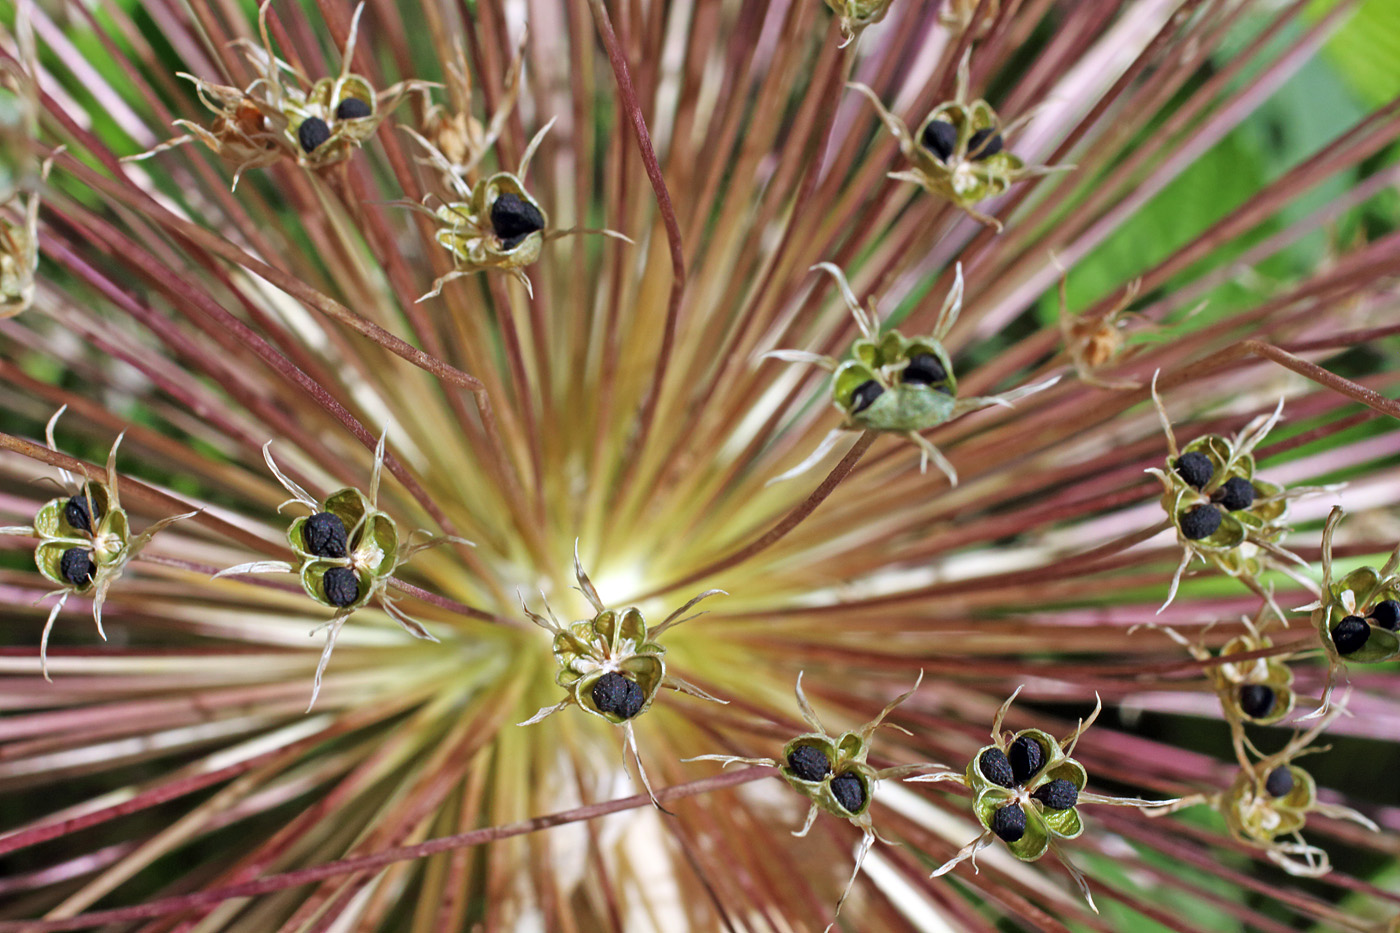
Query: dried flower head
(19, 213)
(896, 384)
(855, 15)
(832, 772)
(347, 552)
(85, 540)
(959, 150)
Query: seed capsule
(513, 219)
(809, 763)
(865, 395)
(1194, 468)
(77, 567)
(1026, 756)
(341, 585)
(941, 138)
(1257, 700)
(1009, 822)
(1237, 493)
(1059, 794)
(78, 512)
(984, 144)
(613, 693)
(1350, 634)
(352, 108)
(1200, 522)
(996, 768)
(324, 535)
(312, 132)
(848, 791)
(1279, 782)
(923, 369)
(1387, 615)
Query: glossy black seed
(1059, 794)
(341, 586)
(1257, 700)
(984, 144)
(941, 138)
(77, 567)
(1350, 634)
(1026, 757)
(1235, 494)
(1387, 615)
(923, 369)
(1194, 468)
(514, 218)
(996, 768)
(613, 693)
(848, 791)
(312, 132)
(1009, 822)
(1200, 522)
(78, 512)
(1279, 782)
(352, 108)
(865, 395)
(809, 763)
(324, 535)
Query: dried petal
(1257, 700)
(1026, 758)
(324, 535)
(1059, 794)
(809, 763)
(1009, 822)
(849, 791)
(341, 586)
(1194, 468)
(1201, 522)
(77, 567)
(996, 768)
(1349, 635)
(1237, 493)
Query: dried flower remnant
(1356, 617)
(958, 15)
(496, 224)
(460, 137)
(1027, 791)
(959, 151)
(19, 214)
(855, 15)
(832, 772)
(347, 553)
(1223, 513)
(611, 665)
(897, 384)
(1094, 342)
(1268, 804)
(85, 539)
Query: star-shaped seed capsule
(1224, 514)
(611, 665)
(1027, 791)
(959, 151)
(1357, 616)
(347, 553)
(896, 384)
(832, 773)
(85, 539)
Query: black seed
(923, 369)
(514, 218)
(848, 791)
(1257, 700)
(1386, 615)
(613, 693)
(809, 763)
(996, 768)
(341, 586)
(1026, 756)
(1059, 794)
(865, 395)
(78, 512)
(983, 144)
(1279, 782)
(1200, 522)
(77, 567)
(941, 138)
(632, 701)
(312, 132)
(352, 108)
(324, 535)
(1350, 634)
(1237, 493)
(1194, 468)
(1009, 822)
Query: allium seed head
(1194, 468)
(1200, 522)
(1009, 822)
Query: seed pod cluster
(1027, 789)
(347, 548)
(1358, 615)
(79, 535)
